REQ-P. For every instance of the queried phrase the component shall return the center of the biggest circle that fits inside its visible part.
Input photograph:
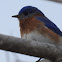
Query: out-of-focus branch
(59, 1)
(32, 48)
(45, 60)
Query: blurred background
(10, 26)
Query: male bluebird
(34, 25)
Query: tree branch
(59, 1)
(32, 48)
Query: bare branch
(32, 48)
(59, 1)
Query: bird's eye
(25, 13)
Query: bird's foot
(38, 60)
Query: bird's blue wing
(50, 25)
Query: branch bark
(32, 48)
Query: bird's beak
(16, 16)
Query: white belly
(37, 37)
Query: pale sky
(10, 26)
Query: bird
(34, 25)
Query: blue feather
(50, 25)
(29, 9)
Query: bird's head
(27, 11)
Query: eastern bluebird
(34, 25)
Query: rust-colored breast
(27, 25)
